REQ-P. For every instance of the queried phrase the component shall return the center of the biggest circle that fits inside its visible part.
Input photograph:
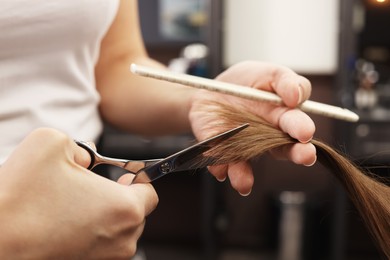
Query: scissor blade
(186, 159)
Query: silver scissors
(146, 171)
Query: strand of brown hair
(370, 197)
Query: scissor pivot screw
(165, 167)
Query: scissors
(146, 171)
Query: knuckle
(126, 250)
(138, 214)
(131, 249)
(51, 139)
(133, 210)
(51, 136)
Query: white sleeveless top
(48, 53)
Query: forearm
(143, 105)
(128, 101)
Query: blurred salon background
(294, 212)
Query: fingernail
(221, 179)
(305, 142)
(245, 194)
(311, 164)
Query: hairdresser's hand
(292, 88)
(51, 207)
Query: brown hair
(370, 196)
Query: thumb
(126, 179)
(145, 193)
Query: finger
(140, 229)
(81, 156)
(219, 172)
(303, 154)
(241, 177)
(145, 190)
(129, 242)
(297, 124)
(136, 236)
(292, 88)
(145, 195)
(126, 179)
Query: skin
(171, 108)
(291, 87)
(51, 202)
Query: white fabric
(48, 51)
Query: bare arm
(131, 102)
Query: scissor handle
(97, 159)
(91, 152)
(132, 166)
